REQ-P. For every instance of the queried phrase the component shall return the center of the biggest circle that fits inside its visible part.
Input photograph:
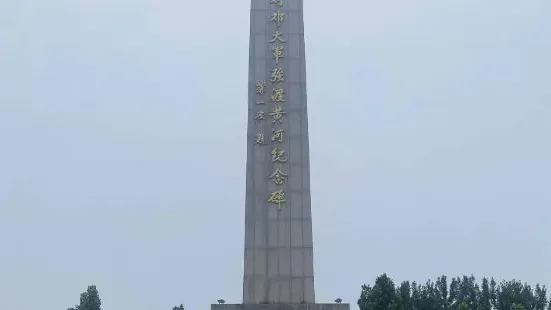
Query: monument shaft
(278, 222)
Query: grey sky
(122, 132)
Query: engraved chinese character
(277, 114)
(278, 75)
(260, 87)
(260, 115)
(278, 155)
(278, 18)
(260, 102)
(278, 177)
(277, 36)
(259, 138)
(277, 135)
(277, 2)
(277, 52)
(277, 197)
(278, 95)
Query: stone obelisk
(279, 264)
(278, 223)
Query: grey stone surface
(283, 306)
(278, 241)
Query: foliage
(461, 293)
(181, 307)
(383, 295)
(89, 300)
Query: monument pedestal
(280, 306)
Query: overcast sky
(122, 157)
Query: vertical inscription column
(278, 228)
(279, 259)
(255, 273)
(255, 282)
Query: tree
(181, 307)
(493, 293)
(484, 302)
(463, 306)
(512, 294)
(382, 296)
(442, 290)
(426, 296)
(463, 293)
(365, 298)
(405, 295)
(540, 295)
(89, 300)
(468, 292)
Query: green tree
(89, 300)
(485, 299)
(426, 297)
(405, 295)
(512, 294)
(493, 293)
(365, 298)
(382, 296)
(463, 306)
(469, 292)
(181, 307)
(415, 299)
(463, 293)
(453, 294)
(442, 291)
(540, 295)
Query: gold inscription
(278, 177)
(277, 52)
(277, 114)
(278, 155)
(277, 197)
(278, 18)
(277, 135)
(278, 75)
(260, 87)
(260, 115)
(277, 36)
(278, 95)
(259, 138)
(277, 2)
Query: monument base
(280, 306)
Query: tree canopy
(89, 300)
(461, 293)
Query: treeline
(90, 300)
(460, 293)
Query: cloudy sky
(122, 158)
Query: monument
(279, 263)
